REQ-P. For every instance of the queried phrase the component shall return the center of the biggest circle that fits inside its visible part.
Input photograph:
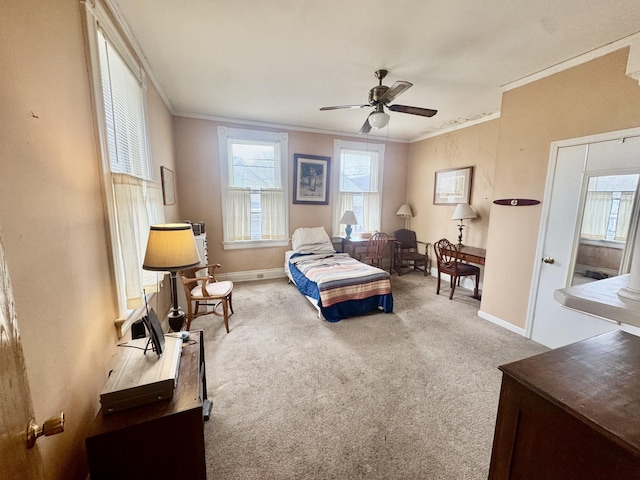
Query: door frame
(551, 172)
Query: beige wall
(473, 146)
(592, 98)
(198, 180)
(52, 219)
(511, 157)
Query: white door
(16, 408)
(549, 323)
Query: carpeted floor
(407, 395)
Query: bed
(337, 285)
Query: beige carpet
(407, 395)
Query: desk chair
(201, 287)
(448, 262)
(406, 252)
(375, 249)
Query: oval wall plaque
(516, 202)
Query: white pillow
(311, 240)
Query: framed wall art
(168, 186)
(310, 179)
(453, 186)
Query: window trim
(224, 134)
(97, 17)
(340, 145)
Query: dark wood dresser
(571, 413)
(161, 440)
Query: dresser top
(596, 380)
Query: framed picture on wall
(168, 186)
(310, 179)
(452, 186)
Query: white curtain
(624, 216)
(238, 214)
(345, 202)
(596, 215)
(372, 212)
(138, 206)
(273, 219)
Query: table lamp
(405, 211)
(462, 212)
(172, 247)
(348, 218)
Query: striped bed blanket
(340, 277)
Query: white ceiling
(279, 61)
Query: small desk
(350, 245)
(472, 254)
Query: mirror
(606, 224)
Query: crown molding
(572, 62)
(295, 128)
(485, 118)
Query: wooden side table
(351, 245)
(164, 439)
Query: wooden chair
(202, 289)
(406, 252)
(375, 249)
(447, 258)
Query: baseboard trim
(502, 323)
(250, 275)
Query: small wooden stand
(164, 439)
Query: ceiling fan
(379, 97)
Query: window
(134, 201)
(608, 207)
(253, 171)
(359, 185)
(606, 233)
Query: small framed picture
(168, 186)
(310, 179)
(453, 186)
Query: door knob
(549, 260)
(50, 427)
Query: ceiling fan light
(379, 119)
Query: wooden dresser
(159, 440)
(571, 413)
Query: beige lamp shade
(349, 218)
(171, 247)
(404, 211)
(463, 211)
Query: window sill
(255, 244)
(603, 243)
(124, 324)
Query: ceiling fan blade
(339, 107)
(396, 89)
(366, 126)
(423, 112)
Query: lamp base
(176, 320)
(348, 231)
